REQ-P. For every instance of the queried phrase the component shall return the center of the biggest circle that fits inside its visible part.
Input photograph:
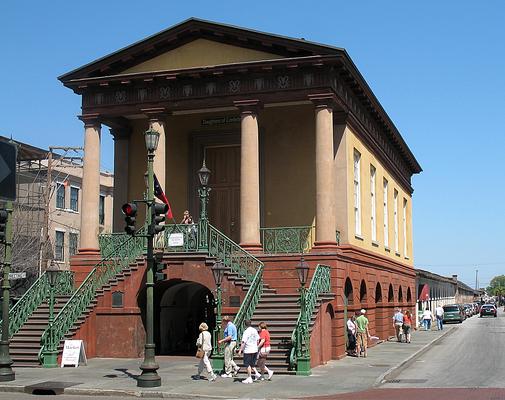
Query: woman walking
(427, 319)
(204, 343)
(264, 351)
(407, 325)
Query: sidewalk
(117, 376)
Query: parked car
(453, 313)
(488, 309)
(468, 310)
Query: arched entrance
(179, 308)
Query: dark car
(488, 309)
(453, 313)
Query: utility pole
(476, 279)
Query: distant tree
(496, 282)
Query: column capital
(250, 106)
(155, 114)
(324, 100)
(119, 133)
(90, 120)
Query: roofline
(206, 22)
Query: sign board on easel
(73, 353)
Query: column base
(255, 248)
(50, 359)
(324, 246)
(303, 366)
(83, 263)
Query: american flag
(158, 192)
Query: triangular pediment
(201, 53)
(198, 43)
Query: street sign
(17, 275)
(8, 155)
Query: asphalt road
(472, 356)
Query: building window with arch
(357, 193)
(60, 195)
(101, 210)
(373, 205)
(386, 213)
(395, 214)
(405, 247)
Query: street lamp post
(6, 372)
(303, 349)
(218, 272)
(203, 221)
(149, 376)
(51, 354)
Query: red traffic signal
(130, 212)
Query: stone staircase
(25, 344)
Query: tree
(496, 282)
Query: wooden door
(224, 203)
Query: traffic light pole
(6, 372)
(149, 376)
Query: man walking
(362, 334)
(439, 314)
(249, 346)
(398, 323)
(230, 338)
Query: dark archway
(179, 308)
(400, 295)
(348, 292)
(391, 295)
(378, 293)
(409, 295)
(362, 292)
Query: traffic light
(130, 212)
(4, 215)
(158, 211)
(159, 275)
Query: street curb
(394, 371)
(140, 394)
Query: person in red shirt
(407, 325)
(264, 350)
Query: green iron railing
(119, 252)
(173, 233)
(300, 338)
(292, 239)
(35, 296)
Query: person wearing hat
(362, 333)
(204, 342)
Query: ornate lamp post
(203, 191)
(218, 272)
(149, 376)
(303, 350)
(51, 355)
(6, 372)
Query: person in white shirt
(439, 314)
(249, 346)
(427, 318)
(204, 342)
(351, 336)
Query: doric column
(156, 118)
(121, 146)
(249, 176)
(90, 185)
(325, 192)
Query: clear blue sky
(438, 68)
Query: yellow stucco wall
(365, 239)
(199, 53)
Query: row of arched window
(349, 293)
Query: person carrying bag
(204, 345)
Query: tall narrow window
(72, 243)
(373, 218)
(60, 195)
(59, 246)
(101, 210)
(357, 193)
(395, 205)
(74, 198)
(405, 253)
(386, 213)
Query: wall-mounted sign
(175, 240)
(221, 120)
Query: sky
(437, 67)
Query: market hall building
(303, 159)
